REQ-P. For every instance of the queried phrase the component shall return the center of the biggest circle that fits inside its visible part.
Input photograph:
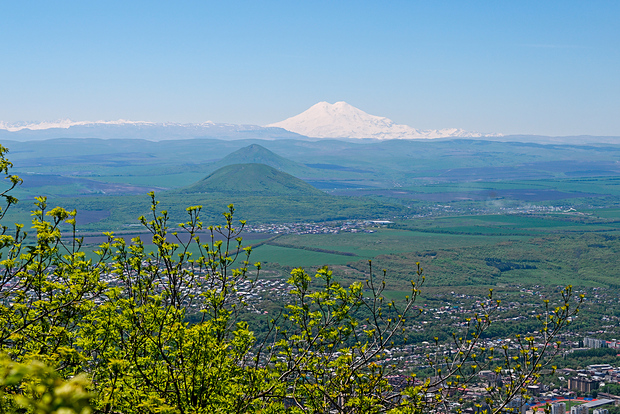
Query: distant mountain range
(341, 120)
(321, 121)
(151, 131)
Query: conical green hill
(252, 179)
(256, 154)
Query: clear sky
(533, 67)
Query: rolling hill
(252, 179)
(257, 154)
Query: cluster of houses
(572, 392)
(356, 226)
(253, 292)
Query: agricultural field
(472, 251)
(473, 213)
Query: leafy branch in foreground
(5, 166)
(329, 359)
(37, 388)
(512, 368)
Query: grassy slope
(252, 179)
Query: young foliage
(14, 180)
(146, 356)
(39, 389)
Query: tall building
(594, 343)
(518, 405)
(558, 408)
(579, 409)
(582, 384)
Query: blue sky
(532, 67)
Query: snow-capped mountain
(64, 124)
(152, 131)
(323, 120)
(341, 120)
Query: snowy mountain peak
(64, 124)
(341, 120)
(67, 123)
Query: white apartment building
(558, 408)
(579, 409)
